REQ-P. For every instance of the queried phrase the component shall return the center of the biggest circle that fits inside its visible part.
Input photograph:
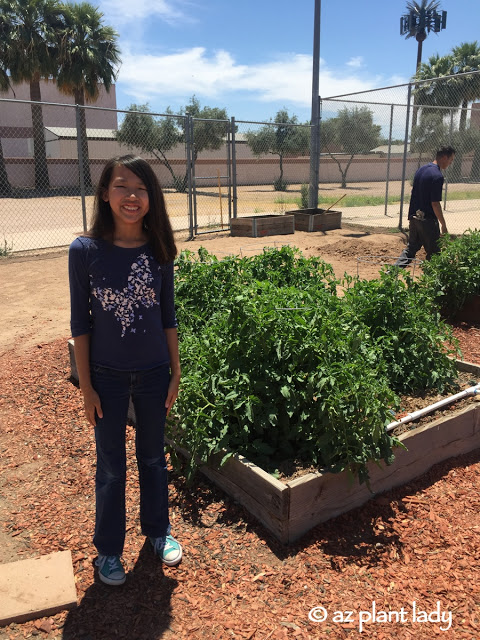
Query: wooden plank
(469, 367)
(316, 219)
(319, 497)
(263, 496)
(263, 225)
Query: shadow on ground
(140, 609)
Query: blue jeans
(148, 390)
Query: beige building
(16, 131)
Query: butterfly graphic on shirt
(135, 295)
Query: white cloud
(126, 12)
(176, 76)
(355, 62)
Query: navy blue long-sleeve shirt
(124, 299)
(427, 188)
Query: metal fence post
(191, 125)
(188, 143)
(389, 156)
(80, 168)
(446, 178)
(405, 151)
(234, 168)
(314, 158)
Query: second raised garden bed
(316, 219)
(260, 226)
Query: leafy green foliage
(277, 366)
(159, 134)
(352, 131)
(279, 184)
(407, 328)
(284, 137)
(6, 249)
(304, 194)
(453, 275)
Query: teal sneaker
(110, 569)
(167, 549)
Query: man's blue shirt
(427, 188)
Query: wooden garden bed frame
(316, 219)
(262, 225)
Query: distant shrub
(279, 184)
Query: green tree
(209, 127)
(155, 135)
(435, 93)
(89, 57)
(468, 141)
(32, 55)
(284, 137)
(429, 134)
(466, 59)
(455, 92)
(353, 132)
(159, 134)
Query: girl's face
(127, 196)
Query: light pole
(315, 119)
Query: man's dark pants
(422, 233)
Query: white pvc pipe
(471, 391)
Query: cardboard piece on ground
(36, 587)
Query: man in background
(425, 215)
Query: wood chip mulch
(412, 555)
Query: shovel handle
(334, 203)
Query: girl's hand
(172, 393)
(92, 404)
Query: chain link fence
(272, 167)
(371, 144)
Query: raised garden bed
(264, 225)
(316, 219)
(290, 509)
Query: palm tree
(421, 19)
(466, 59)
(434, 93)
(5, 188)
(453, 92)
(31, 56)
(88, 57)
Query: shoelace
(112, 563)
(161, 544)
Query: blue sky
(254, 57)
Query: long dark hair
(156, 222)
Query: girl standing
(125, 330)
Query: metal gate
(211, 179)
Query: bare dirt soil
(417, 545)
